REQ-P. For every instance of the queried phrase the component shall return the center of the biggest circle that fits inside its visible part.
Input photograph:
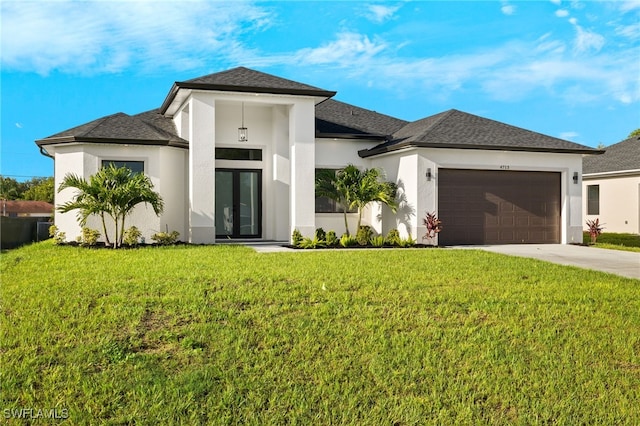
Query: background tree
(111, 192)
(10, 189)
(635, 133)
(40, 189)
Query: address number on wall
(504, 167)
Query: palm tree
(355, 188)
(327, 186)
(90, 199)
(368, 188)
(113, 192)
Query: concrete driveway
(617, 262)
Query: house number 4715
(504, 167)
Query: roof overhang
(359, 136)
(75, 140)
(616, 173)
(411, 144)
(177, 86)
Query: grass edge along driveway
(222, 335)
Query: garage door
(498, 207)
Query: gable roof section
(147, 128)
(243, 79)
(457, 129)
(620, 157)
(339, 119)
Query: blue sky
(569, 69)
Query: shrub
(132, 236)
(321, 235)
(377, 241)
(331, 239)
(165, 238)
(308, 243)
(393, 238)
(58, 237)
(595, 229)
(433, 224)
(88, 237)
(364, 235)
(407, 242)
(296, 238)
(348, 240)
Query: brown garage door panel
(498, 207)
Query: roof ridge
(103, 120)
(443, 117)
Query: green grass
(223, 335)
(610, 240)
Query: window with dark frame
(593, 199)
(238, 154)
(327, 205)
(134, 166)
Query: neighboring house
(22, 222)
(234, 156)
(26, 208)
(611, 185)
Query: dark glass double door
(238, 203)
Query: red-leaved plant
(433, 224)
(595, 229)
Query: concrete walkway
(618, 262)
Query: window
(238, 154)
(327, 205)
(593, 199)
(134, 166)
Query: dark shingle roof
(147, 128)
(26, 206)
(457, 129)
(243, 79)
(334, 118)
(618, 157)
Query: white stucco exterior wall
(619, 202)
(302, 159)
(164, 166)
(201, 178)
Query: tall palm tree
(112, 192)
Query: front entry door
(238, 203)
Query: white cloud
(562, 13)
(556, 1)
(569, 135)
(379, 13)
(19, 125)
(587, 40)
(628, 5)
(104, 37)
(508, 9)
(347, 50)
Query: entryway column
(302, 155)
(202, 169)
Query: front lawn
(615, 241)
(223, 335)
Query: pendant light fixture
(243, 132)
